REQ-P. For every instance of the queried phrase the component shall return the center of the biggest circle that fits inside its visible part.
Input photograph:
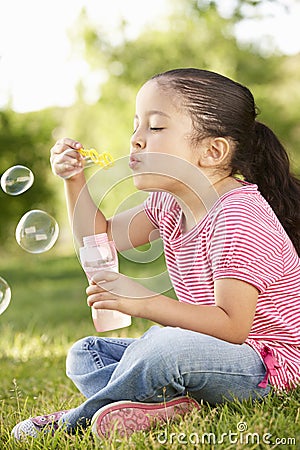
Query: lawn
(47, 314)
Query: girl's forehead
(149, 89)
(153, 96)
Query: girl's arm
(128, 229)
(230, 319)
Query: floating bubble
(37, 231)
(16, 180)
(5, 295)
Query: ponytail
(269, 168)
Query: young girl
(227, 209)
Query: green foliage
(194, 35)
(26, 139)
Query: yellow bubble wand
(104, 159)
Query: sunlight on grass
(22, 346)
(48, 313)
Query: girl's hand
(65, 159)
(111, 290)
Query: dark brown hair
(221, 107)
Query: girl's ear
(214, 152)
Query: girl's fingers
(100, 297)
(101, 286)
(65, 144)
(96, 289)
(105, 276)
(64, 158)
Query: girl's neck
(195, 205)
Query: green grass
(48, 312)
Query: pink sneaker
(35, 425)
(126, 417)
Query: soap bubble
(5, 295)
(37, 231)
(16, 180)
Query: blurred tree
(195, 34)
(25, 139)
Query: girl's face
(161, 143)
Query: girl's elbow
(239, 337)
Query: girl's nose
(137, 142)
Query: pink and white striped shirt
(240, 237)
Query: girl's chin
(152, 182)
(144, 182)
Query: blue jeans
(164, 363)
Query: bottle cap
(95, 239)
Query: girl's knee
(81, 345)
(156, 347)
(76, 353)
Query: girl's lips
(133, 162)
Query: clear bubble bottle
(98, 253)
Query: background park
(48, 310)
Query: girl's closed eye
(156, 128)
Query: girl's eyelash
(151, 128)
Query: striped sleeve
(158, 205)
(151, 210)
(246, 243)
